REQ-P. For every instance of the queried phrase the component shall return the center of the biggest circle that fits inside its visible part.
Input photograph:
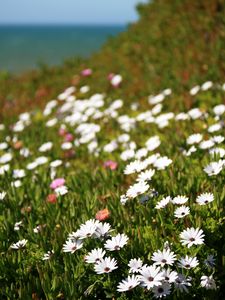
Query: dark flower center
(164, 260)
(187, 266)
(117, 247)
(150, 278)
(130, 287)
(74, 248)
(160, 290)
(107, 269)
(192, 239)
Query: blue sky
(68, 11)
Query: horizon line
(64, 24)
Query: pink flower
(62, 131)
(68, 137)
(86, 72)
(102, 214)
(116, 80)
(112, 165)
(110, 76)
(57, 183)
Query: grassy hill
(175, 43)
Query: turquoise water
(24, 47)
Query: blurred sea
(23, 47)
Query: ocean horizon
(24, 47)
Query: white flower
(182, 283)
(205, 198)
(156, 99)
(48, 255)
(217, 151)
(208, 282)
(194, 139)
(217, 139)
(180, 199)
(107, 265)
(88, 229)
(4, 169)
(214, 168)
(210, 261)
(181, 212)
(20, 244)
(2, 195)
(135, 265)
(151, 276)
(19, 173)
(153, 143)
(16, 183)
(207, 85)
(123, 199)
(45, 147)
(170, 276)
(95, 256)
(128, 284)
(102, 230)
(41, 160)
(116, 80)
(195, 113)
(165, 257)
(72, 245)
(7, 157)
(17, 225)
(117, 242)
(206, 144)
(162, 162)
(66, 146)
(214, 127)
(192, 236)
(163, 203)
(141, 153)
(188, 262)
(51, 122)
(219, 109)
(61, 190)
(146, 175)
(127, 154)
(162, 290)
(137, 189)
(55, 163)
(32, 165)
(195, 90)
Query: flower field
(103, 198)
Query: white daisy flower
(210, 261)
(218, 139)
(195, 90)
(123, 199)
(181, 212)
(95, 256)
(214, 127)
(205, 198)
(151, 276)
(117, 242)
(217, 152)
(208, 282)
(179, 199)
(135, 265)
(5, 158)
(214, 168)
(72, 245)
(170, 276)
(192, 236)
(45, 147)
(137, 189)
(162, 290)
(20, 244)
(128, 284)
(107, 265)
(61, 190)
(102, 230)
(219, 109)
(153, 143)
(163, 203)
(194, 139)
(162, 162)
(188, 262)
(146, 175)
(2, 195)
(207, 85)
(165, 257)
(206, 144)
(182, 283)
(195, 113)
(88, 229)
(48, 255)
(17, 225)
